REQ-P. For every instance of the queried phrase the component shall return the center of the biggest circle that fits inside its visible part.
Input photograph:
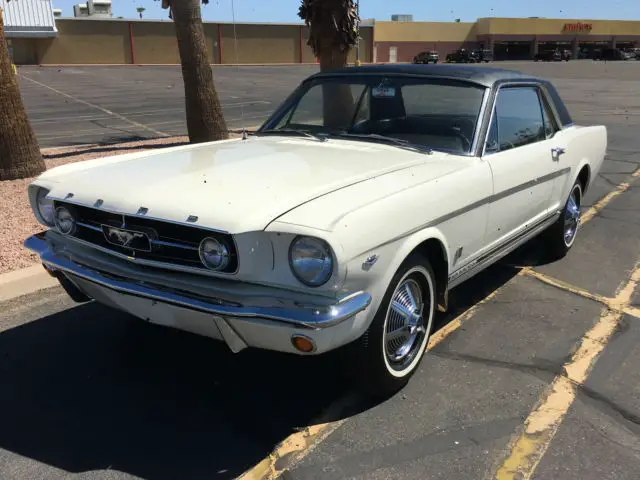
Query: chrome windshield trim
(303, 316)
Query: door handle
(556, 152)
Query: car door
(521, 158)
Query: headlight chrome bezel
(40, 202)
(60, 211)
(225, 254)
(326, 272)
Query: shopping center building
(36, 36)
(509, 38)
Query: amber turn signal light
(303, 344)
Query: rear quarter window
(561, 108)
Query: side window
(518, 118)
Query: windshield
(433, 113)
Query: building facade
(37, 36)
(27, 22)
(508, 38)
(118, 41)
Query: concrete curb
(25, 281)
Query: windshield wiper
(305, 133)
(384, 138)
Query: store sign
(577, 27)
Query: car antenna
(235, 46)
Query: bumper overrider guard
(304, 317)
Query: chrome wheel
(405, 327)
(572, 216)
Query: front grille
(168, 242)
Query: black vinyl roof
(486, 76)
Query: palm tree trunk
(19, 151)
(205, 120)
(338, 99)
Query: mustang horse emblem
(126, 238)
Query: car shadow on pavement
(91, 388)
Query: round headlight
(213, 254)
(311, 261)
(64, 221)
(45, 206)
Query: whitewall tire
(390, 352)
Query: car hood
(234, 186)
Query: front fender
(372, 270)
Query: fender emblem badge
(369, 262)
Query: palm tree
(19, 151)
(140, 10)
(205, 120)
(333, 31)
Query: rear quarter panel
(585, 146)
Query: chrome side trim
(472, 206)
(476, 266)
(303, 316)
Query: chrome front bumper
(302, 316)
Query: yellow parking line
(567, 287)
(97, 107)
(298, 444)
(593, 211)
(543, 423)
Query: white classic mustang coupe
(341, 223)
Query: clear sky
(466, 10)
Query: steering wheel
(463, 137)
(458, 130)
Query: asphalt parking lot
(81, 105)
(532, 374)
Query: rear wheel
(389, 353)
(562, 234)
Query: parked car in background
(462, 55)
(429, 56)
(552, 56)
(330, 228)
(482, 55)
(610, 54)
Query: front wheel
(562, 234)
(389, 353)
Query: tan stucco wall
(155, 42)
(108, 42)
(424, 31)
(89, 41)
(260, 43)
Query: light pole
(358, 34)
